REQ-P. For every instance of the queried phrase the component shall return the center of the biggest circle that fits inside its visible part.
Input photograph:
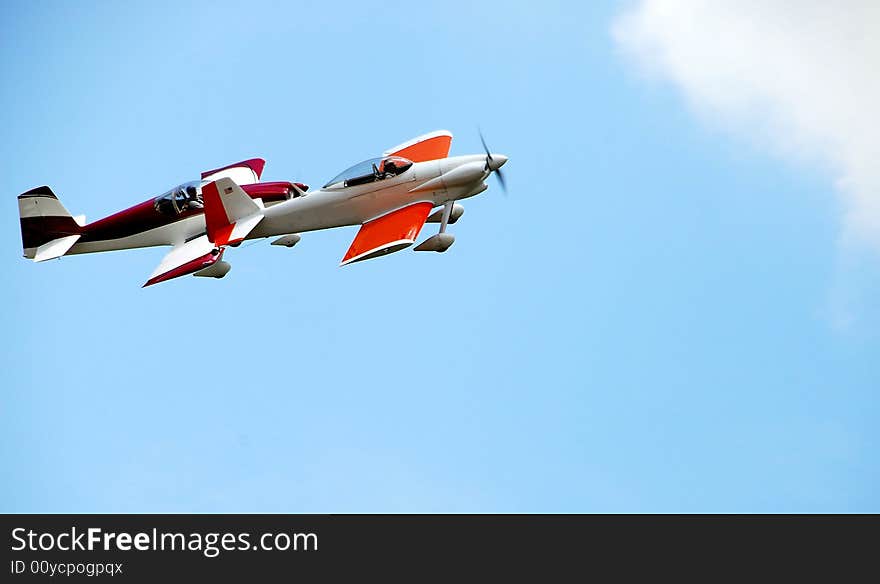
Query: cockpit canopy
(186, 197)
(371, 170)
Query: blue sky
(645, 324)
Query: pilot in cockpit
(192, 197)
(388, 168)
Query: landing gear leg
(447, 211)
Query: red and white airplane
(391, 197)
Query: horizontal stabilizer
(55, 248)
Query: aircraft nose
(497, 161)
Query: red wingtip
(255, 164)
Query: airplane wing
(244, 173)
(230, 214)
(426, 147)
(389, 233)
(187, 258)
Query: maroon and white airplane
(391, 197)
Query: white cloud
(801, 75)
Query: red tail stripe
(215, 215)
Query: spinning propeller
(494, 164)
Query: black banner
(244, 547)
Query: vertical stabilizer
(44, 221)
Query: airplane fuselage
(331, 206)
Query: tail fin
(230, 214)
(44, 220)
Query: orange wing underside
(430, 149)
(388, 233)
